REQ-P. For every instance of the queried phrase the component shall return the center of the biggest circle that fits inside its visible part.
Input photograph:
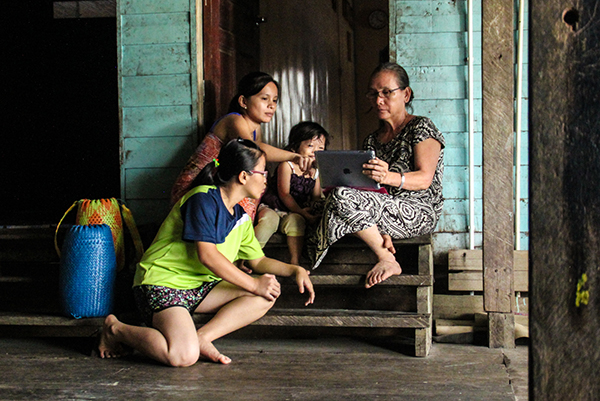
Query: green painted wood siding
(157, 100)
(429, 39)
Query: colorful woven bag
(112, 213)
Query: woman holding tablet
(408, 164)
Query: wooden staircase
(403, 301)
(29, 296)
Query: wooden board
(330, 368)
(465, 307)
(156, 47)
(473, 281)
(472, 259)
(85, 9)
(465, 270)
(498, 115)
(336, 318)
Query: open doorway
(308, 47)
(60, 138)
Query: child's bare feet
(382, 271)
(108, 346)
(210, 352)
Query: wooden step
(413, 280)
(275, 317)
(47, 325)
(279, 239)
(336, 318)
(32, 319)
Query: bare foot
(108, 346)
(382, 271)
(209, 352)
(388, 244)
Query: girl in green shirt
(190, 268)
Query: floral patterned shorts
(151, 299)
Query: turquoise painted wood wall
(429, 38)
(157, 100)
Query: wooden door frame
(222, 63)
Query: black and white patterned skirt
(349, 210)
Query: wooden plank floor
(331, 368)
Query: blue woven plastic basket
(88, 268)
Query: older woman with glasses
(409, 165)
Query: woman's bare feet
(382, 271)
(388, 243)
(209, 352)
(108, 346)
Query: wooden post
(498, 243)
(564, 160)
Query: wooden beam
(564, 169)
(85, 9)
(497, 85)
(501, 329)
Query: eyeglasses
(264, 173)
(386, 93)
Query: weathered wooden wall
(429, 38)
(157, 100)
(565, 200)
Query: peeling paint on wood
(158, 100)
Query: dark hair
(401, 77)
(250, 85)
(303, 131)
(235, 156)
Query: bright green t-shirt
(172, 261)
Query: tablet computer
(343, 168)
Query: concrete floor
(333, 368)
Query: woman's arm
(266, 285)
(317, 190)
(277, 155)
(426, 155)
(234, 126)
(273, 266)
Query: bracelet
(402, 180)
